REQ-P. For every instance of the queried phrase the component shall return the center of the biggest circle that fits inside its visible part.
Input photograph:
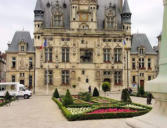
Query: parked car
(14, 89)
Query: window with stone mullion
(117, 52)
(106, 55)
(118, 77)
(49, 77)
(48, 54)
(141, 63)
(65, 77)
(65, 54)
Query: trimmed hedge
(86, 116)
(6, 102)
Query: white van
(14, 89)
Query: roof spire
(126, 7)
(39, 6)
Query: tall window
(134, 79)
(65, 54)
(48, 55)
(13, 78)
(133, 63)
(30, 81)
(149, 63)
(22, 74)
(22, 48)
(141, 51)
(65, 77)
(13, 62)
(30, 63)
(58, 21)
(117, 54)
(49, 77)
(118, 77)
(149, 78)
(141, 63)
(106, 55)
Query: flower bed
(78, 110)
(111, 110)
(2, 101)
(115, 109)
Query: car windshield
(22, 89)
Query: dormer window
(57, 15)
(22, 46)
(141, 51)
(22, 49)
(110, 14)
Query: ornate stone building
(20, 59)
(2, 67)
(82, 43)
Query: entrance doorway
(141, 82)
(22, 82)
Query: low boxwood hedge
(86, 116)
(5, 103)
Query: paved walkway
(42, 112)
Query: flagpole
(123, 61)
(47, 86)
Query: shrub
(86, 96)
(56, 93)
(67, 100)
(8, 97)
(125, 97)
(106, 86)
(95, 92)
(141, 91)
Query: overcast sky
(18, 15)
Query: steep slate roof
(39, 6)
(18, 37)
(100, 13)
(139, 40)
(125, 8)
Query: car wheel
(25, 96)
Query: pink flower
(112, 110)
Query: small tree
(106, 86)
(56, 94)
(125, 97)
(67, 100)
(95, 92)
(7, 97)
(141, 91)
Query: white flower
(78, 110)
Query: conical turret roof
(126, 8)
(39, 6)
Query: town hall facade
(82, 43)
